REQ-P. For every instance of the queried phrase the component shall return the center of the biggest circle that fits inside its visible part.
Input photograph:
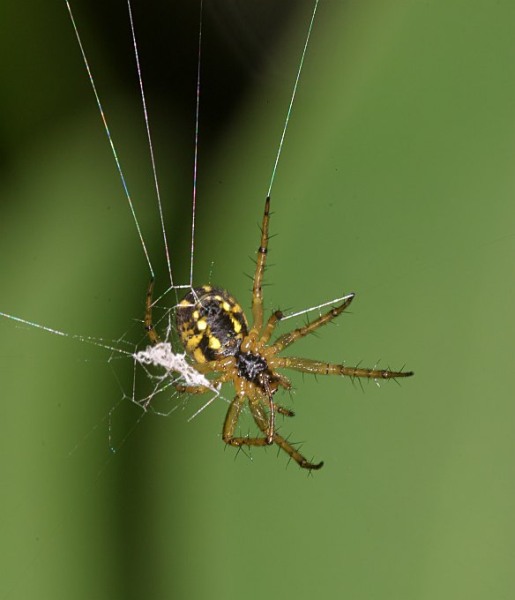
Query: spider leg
(257, 291)
(222, 366)
(193, 389)
(262, 423)
(231, 419)
(272, 406)
(289, 338)
(286, 384)
(199, 389)
(216, 382)
(274, 318)
(282, 410)
(271, 409)
(149, 326)
(317, 367)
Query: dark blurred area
(237, 48)
(37, 91)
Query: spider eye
(211, 324)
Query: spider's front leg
(197, 389)
(231, 420)
(257, 287)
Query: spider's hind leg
(257, 287)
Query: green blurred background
(396, 182)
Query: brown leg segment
(257, 291)
(289, 338)
(149, 326)
(317, 367)
(282, 410)
(262, 423)
(231, 419)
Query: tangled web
(170, 369)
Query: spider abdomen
(211, 324)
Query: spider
(215, 334)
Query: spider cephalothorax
(215, 334)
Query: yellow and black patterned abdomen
(211, 324)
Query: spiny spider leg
(318, 367)
(257, 295)
(231, 419)
(262, 423)
(257, 291)
(289, 338)
(271, 409)
(286, 412)
(274, 318)
(272, 406)
(149, 325)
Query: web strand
(109, 137)
(195, 159)
(292, 99)
(81, 338)
(150, 144)
(318, 307)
